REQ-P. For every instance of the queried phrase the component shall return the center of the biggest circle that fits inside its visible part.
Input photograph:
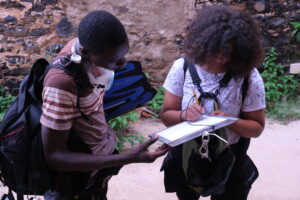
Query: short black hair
(99, 30)
(216, 29)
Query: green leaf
(297, 36)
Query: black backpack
(22, 165)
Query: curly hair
(99, 30)
(216, 29)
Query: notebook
(185, 131)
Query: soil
(276, 154)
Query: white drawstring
(203, 150)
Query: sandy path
(276, 153)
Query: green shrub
(122, 122)
(278, 84)
(286, 111)
(158, 100)
(5, 100)
(296, 30)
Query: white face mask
(106, 79)
(76, 53)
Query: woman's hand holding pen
(192, 113)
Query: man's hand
(141, 154)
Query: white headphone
(75, 57)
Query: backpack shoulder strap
(223, 83)
(193, 72)
(243, 143)
(67, 68)
(185, 66)
(245, 87)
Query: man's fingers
(161, 150)
(159, 153)
(149, 142)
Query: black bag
(22, 164)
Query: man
(100, 48)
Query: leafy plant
(296, 30)
(5, 100)
(123, 121)
(278, 85)
(120, 124)
(286, 111)
(157, 102)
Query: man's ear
(84, 51)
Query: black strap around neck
(80, 84)
(223, 83)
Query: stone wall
(30, 29)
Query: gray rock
(20, 31)
(12, 60)
(39, 32)
(54, 48)
(16, 59)
(276, 21)
(31, 47)
(37, 7)
(13, 84)
(47, 21)
(9, 19)
(12, 4)
(49, 1)
(17, 72)
(259, 6)
(64, 27)
(2, 28)
(9, 49)
(28, 19)
(280, 40)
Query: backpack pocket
(208, 177)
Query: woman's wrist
(182, 115)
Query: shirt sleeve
(175, 79)
(59, 101)
(255, 97)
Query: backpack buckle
(208, 95)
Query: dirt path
(276, 153)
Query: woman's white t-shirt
(230, 98)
